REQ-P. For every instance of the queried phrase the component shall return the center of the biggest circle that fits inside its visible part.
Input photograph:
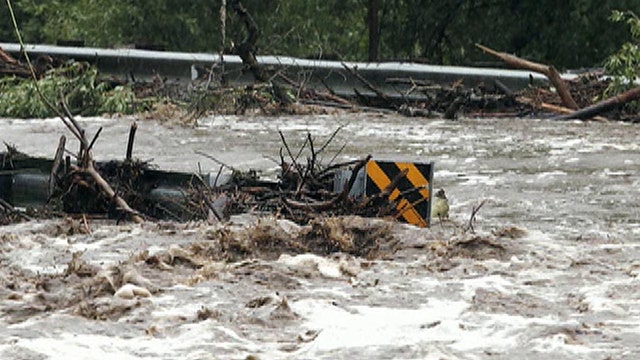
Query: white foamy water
(566, 288)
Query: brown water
(553, 270)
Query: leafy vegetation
(624, 65)
(77, 82)
(567, 34)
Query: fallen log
(548, 70)
(10, 66)
(543, 105)
(553, 108)
(6, 58)
(602, 106)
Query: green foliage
(624, 65)
(312, 28)
(179, 25)
(564, 33)
(78, 84)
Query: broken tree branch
(95, 137)
(108, 191)
(293, 159)
(472, 218)
(11, 66)
(5, 207)
(328, 171)
(602, 106)
(543, 105)
(216, 161)
(132, 136)
(247, 49)
(553, 108)
(58, 160)
(548, 70)
(86, 162)
(367, 84)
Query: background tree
(567, 34)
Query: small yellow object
(440, 205)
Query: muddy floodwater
(551, 271)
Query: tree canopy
(567, 34)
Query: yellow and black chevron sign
(413, 193)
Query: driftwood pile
(10, 66)
(569, 108)
(134, 190)
(571, 100)
(445, 101)
(275, 93)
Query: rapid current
(557, 274)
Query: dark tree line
(566, 33)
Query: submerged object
(379, 188)
(408, 185)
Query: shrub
(79, 85)
(624, 65)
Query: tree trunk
(549, 71)
(604, 105)
(374, 34)
(246, 51)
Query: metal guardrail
(179, 66)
